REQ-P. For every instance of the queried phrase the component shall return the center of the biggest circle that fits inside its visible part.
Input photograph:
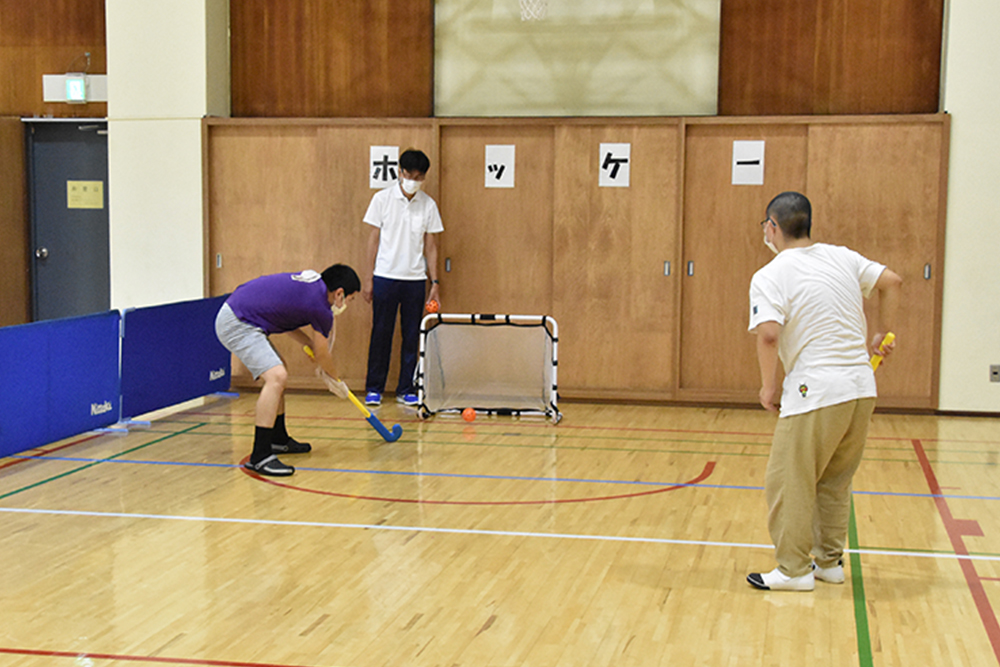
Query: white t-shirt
(817, 295)
(403, 223)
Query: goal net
(495, 364)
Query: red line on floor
(544, 423)
(570, 427)
(705, 473)
(43, 452)
(956, 528)
(520, 424)
(139, 658)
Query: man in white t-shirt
(402, 255)
(807, 310)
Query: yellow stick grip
(354, 399)
(361, 406)
(877, 358)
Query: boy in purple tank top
(302, 305)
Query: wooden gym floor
(622, 536)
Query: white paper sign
(614, 165)
(383, 166)
(500, 166)
(748, 163)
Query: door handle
(41, 253)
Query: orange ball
(433, 306)
(469, 414)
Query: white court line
(471, 531)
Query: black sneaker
(293, 446)
(271, 467)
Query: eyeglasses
(763, 223)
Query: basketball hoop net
(534, 10)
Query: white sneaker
(831, 575)
(776, 581)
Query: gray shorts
(249, 343)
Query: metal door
(68, 195)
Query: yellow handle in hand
(361, 406)
(354, 399)
(886, 340)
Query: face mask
(411, 187)
(769, 244)
(337, 310)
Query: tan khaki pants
(813, 458)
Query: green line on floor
(860, 606)
(91, 465)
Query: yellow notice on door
(85, 194)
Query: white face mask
(337, 310)
(769, 244)
(411, 187)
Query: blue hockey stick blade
(397, 430)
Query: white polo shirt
(817, 295)
(403, 223)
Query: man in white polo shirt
(807, 309)
(405, 222)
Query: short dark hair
(414, 160)
(341, 275)
(793, 213)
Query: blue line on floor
(405, 473)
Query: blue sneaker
(373, 398)
(407, 399)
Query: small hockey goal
(495, 364)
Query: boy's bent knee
(276, 376)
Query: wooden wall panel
(723, 239)
(877, 185)
(288, 197)
(48, 37)
(315, 58)
(616, 309)
(877, 189)
(15, 239)
(830, 57)
(499, 240)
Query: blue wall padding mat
(170, 355)
(58, 378)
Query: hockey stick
(877, 358)
(388, 436)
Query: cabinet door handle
(447, 264)
(927, 271)
(666, 268)
(691, 268)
